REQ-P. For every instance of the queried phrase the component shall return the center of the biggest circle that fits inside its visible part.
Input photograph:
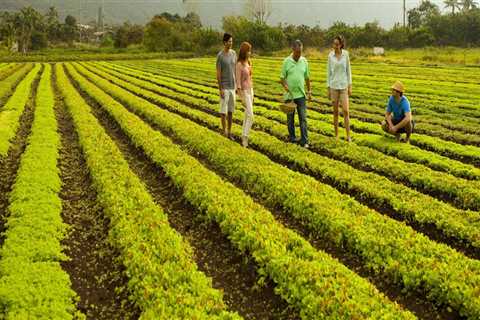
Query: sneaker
(245, 141)
(349, 139)
(306, 146)
(231, 137)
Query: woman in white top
(339, 83)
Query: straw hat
(398, 86)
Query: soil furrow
(429, 230)
(230, 270)
(96, 273)
(9, 165)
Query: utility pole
(100, 21)
(404, 14)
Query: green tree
(39, 40)
(53, 26)
(418, 17)
(159, 34)
(7, 28)
(260, 35)
(421, 37)
(70, 31)
(26, 21)
(128, 34)
(397, 37)
(206, 38)
(468, 5)
(453, 4)
(193, 20)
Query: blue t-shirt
(398, 109)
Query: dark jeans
(403, 130)
(302, 118)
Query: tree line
(30, 30)
(427, 26)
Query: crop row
(267, 82)
(163, 277)
(366, 112)
(32, 281)
(464, 193)
(444, 97)
(425, 209)
(273, 93)
(11, 112)
(463, 153)
(384, 245)
(303, 276)
(7, 85)
(365, 185)
(8, 69)
(269, 77)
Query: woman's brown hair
(242, 55)
(340, 39)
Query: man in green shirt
(295, 73)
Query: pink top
(243, 76)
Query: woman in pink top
(243, 76)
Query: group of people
(234, 77)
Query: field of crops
(121, 199)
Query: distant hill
(87, 10)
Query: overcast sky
(309, 12)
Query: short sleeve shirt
(398, 109)
(226, 63)
(295, 73)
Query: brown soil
(414, 301)
(231, 271)
(96, 273)
(10, 164)
(429, 230)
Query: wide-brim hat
(398, 86)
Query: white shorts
(227, 104)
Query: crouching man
(398, 117)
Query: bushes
(166, 35)
(128, 34)
(260, 35)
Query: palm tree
(454, 4)
(468, 5)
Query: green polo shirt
(295, 73)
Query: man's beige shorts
(227, 103)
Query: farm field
(121, 199)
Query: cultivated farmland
(121, 199)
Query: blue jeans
(302, 118)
